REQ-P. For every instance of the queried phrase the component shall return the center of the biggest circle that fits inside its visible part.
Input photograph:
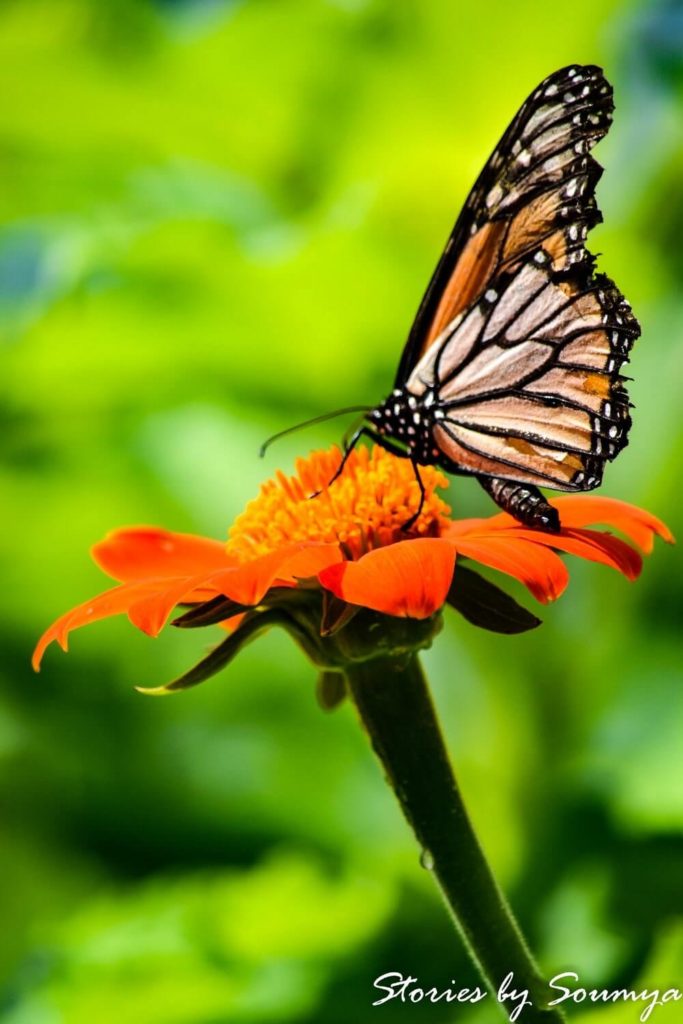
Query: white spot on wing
(494, 196)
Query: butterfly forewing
(517, 339)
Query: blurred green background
(218, 218)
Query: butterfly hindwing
(528, 380)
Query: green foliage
(217, 219)
(240, 946)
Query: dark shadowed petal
(217, 659)
(209, 613)
(486, 605)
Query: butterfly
(511, 371)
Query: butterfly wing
(517, 199)
(528, 380)
(519, 340)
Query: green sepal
(336, 614)
(485, 605)
(254, 623)
(218, 609)
(330, 689)
(220, 656)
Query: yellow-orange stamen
(364, 508)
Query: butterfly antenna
(309, 423)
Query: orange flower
(345, 550)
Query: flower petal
(460, 527)
(149, 602)
(248, 584)
(251, 625)
(409, 579)
(638, 524)
(539, 569)
(111, 602)
(578, 510)
(150, 612)
(244, 584)
(592, 545)
(145, 552)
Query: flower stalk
(395, 707)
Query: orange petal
(247, 584)
(111, 602)
(149, 602)
(581, 510)
(460, 527)
(145, 552)
(589, 544)
(640, 526)
(307, 561)
(151, 611)
(539, 569)
(409, 579)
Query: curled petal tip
(58, 633)
(37, 656)
(639, 525)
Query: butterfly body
(405, 419)
(511, 371)
(406, 426)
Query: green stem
(396, 709)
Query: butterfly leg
(413, 519)
(523, 501)
(394, 449)
(348, 448)
(362, 431)
(346, 443)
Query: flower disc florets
(365, 508)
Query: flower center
(364, 508)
